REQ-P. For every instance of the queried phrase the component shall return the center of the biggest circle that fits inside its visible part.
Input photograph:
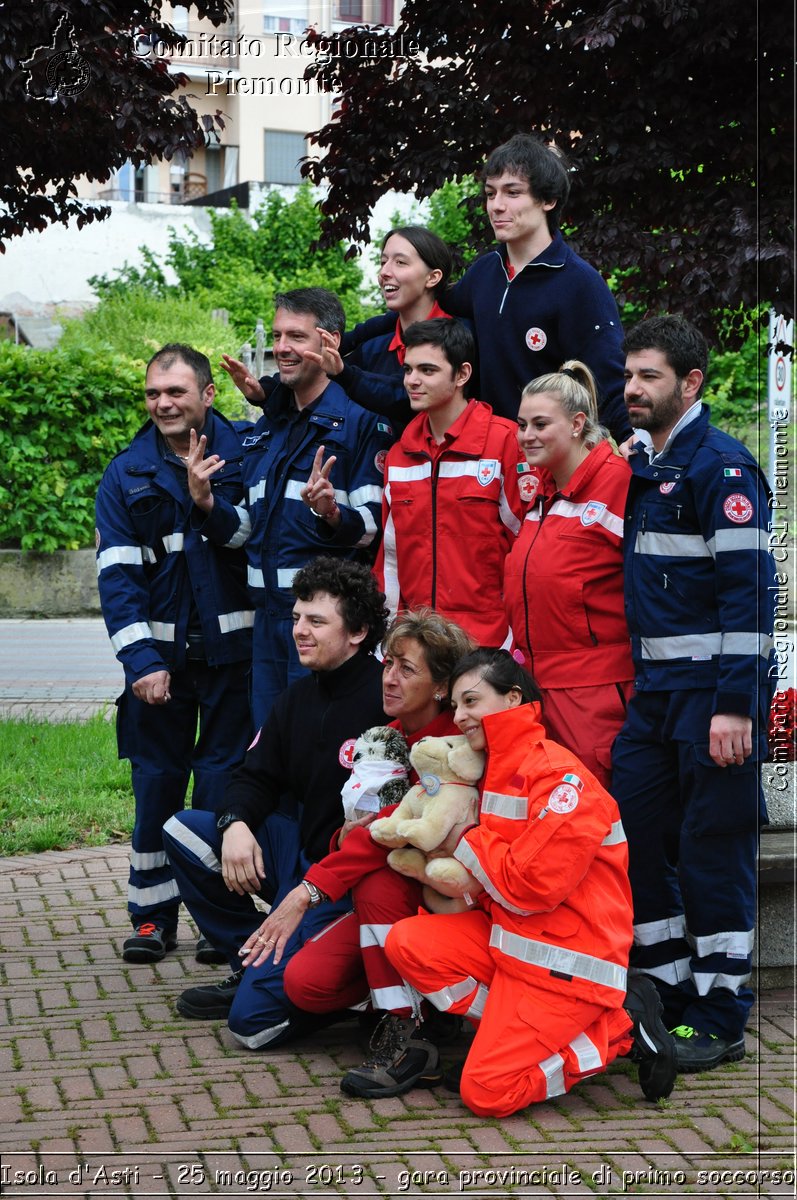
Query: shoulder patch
(738, 508)
(346, 754)
(563, 798)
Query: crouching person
(538, 964)
(283, 805)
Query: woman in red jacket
(538, 963)
(563, 579)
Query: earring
(438, 697)
(574, 433)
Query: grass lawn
(62, 785)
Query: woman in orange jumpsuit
(538, 962)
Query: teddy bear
(380, 771)
(445, 797)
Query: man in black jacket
(283, 804)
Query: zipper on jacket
(541, 504)
(435, 467)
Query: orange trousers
(530, 1044)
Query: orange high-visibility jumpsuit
(539, 963)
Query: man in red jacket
(451, 508)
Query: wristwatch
(226, 820)
(316, 895)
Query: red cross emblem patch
(488, 469)
(738, 508)
(536, 338)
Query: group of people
(382, 547)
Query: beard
(661, 415)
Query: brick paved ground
(107, 1092)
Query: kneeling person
(283, 803)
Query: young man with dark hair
(451, 507)
(311, 435)
(699, 590)
(283, 804)
(180, 622)
(533, 301)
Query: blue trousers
(275, 663)
(164, 748)
(692, 830)
(261, 1015)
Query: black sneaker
(210, 1002)
(208, 954)
(695, 1051)
(149, 943)
(400, 1059)
(654, 1047)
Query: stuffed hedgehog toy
(380, 772)
(445, 797)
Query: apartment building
(251, 72)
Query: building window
(284, 16)
(350, 11)
(282, 154)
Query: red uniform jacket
(563, 579)
(450, 515)
(551, 854)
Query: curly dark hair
(362, 605)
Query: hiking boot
(695, 1051)
(654, 1047)
(400, 1059)
(149, 943)
(208, 954)
(211, 1002)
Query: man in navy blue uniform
(283, 805)
(699, 585)
(533, 301)
(313, 471)
(180, 622)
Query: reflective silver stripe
(673, 972)
(148, 554)
(587, 1054)
(147, 862)
(747, 643)
(162, 631)
(256, 1040)
(608, 519)
(186, 837)
(254, 577)
(512, 808)
(533, 515)
(672, 545)
(552, 1069)
(508, 518)
(373, 935)
(370, 494)
(459, 468)
(616, 836)
(735, 942)
(391, 998)
(243, 619)
(128, 556)
(447, 997)
(130, 633)
(555, 958)
(465, 854)
(369, 526)
(729, 540)
(257, 492)
(173, 542)
(295, 487)
(650, 933)
(389, 563)
(705, 645)
(705, 982)
(286, 576)
(243, 531)
(476, 1009)
(147, 896)
(409, 474)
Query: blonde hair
(575, 388)
(443, 642)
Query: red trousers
(587, 720)
(346, 962)
(530, 1044)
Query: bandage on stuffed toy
(445, 797)
(380, 772)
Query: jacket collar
(512, 731)
(682, 447)
(330, 403)
(470, 440)
(554, 255)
